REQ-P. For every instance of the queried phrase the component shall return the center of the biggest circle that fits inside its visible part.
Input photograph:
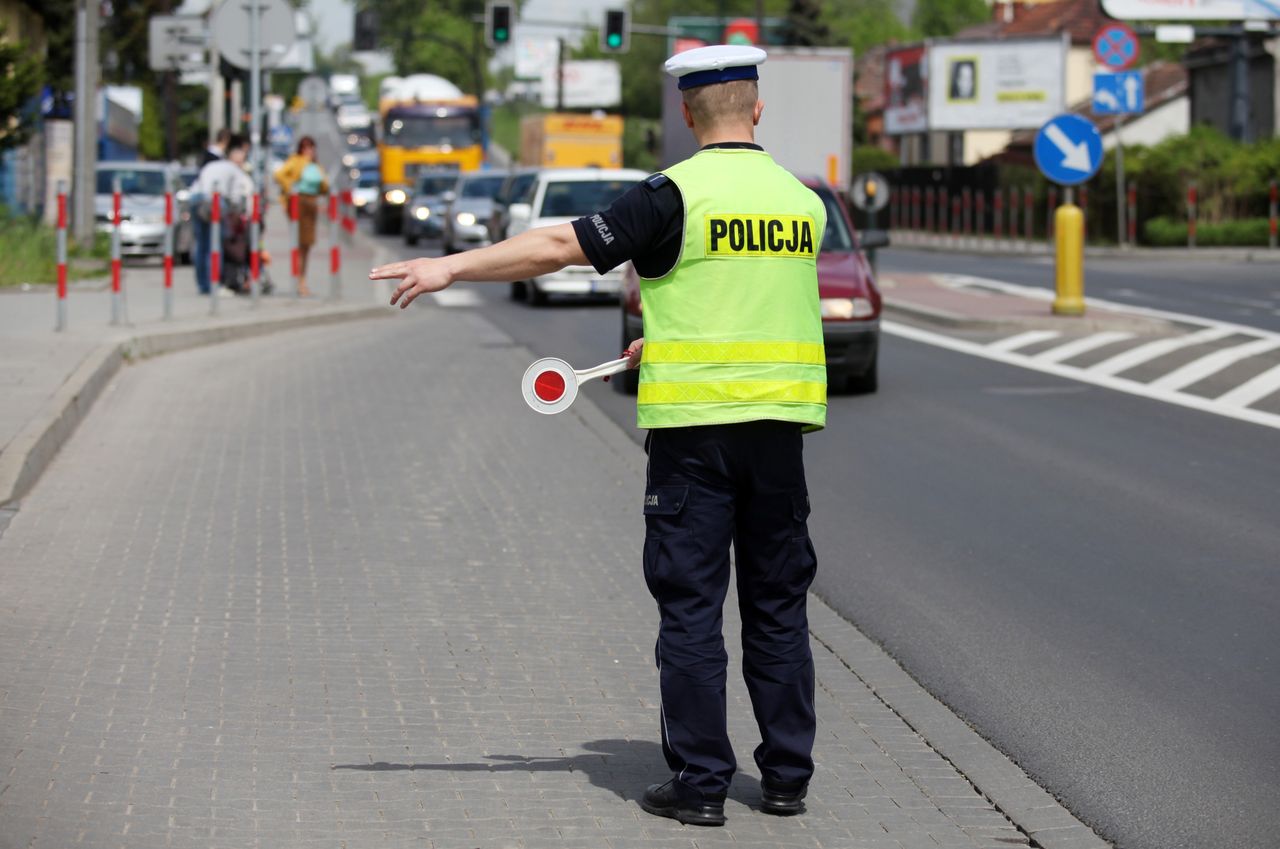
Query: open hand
(416, 276)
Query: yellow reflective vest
(733, 333)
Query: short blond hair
(720, 103)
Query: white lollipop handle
(602, 370)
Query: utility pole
(1240, 129)
(86, 117)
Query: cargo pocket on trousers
(666, 539)
(802, 560)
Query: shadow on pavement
(623, 767)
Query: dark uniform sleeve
(645, 226)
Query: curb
(30, 452)
(1031, 809)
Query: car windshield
(837, 236)
(571, 199)
(133, 181)
(436, 184)
(367, 180)
(520, 187)
(481, 187)
(431, 131)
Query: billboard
(996, 85)
(906, 90)
(588, 83)
(1192, 10)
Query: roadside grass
(29, 253)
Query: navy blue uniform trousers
(710, 486)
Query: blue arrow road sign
(1068, 149)
(1118, 94)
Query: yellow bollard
(1068, 227)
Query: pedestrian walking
(228, 178)
(732, 371)
(200, 226)
(303, 176)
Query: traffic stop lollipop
(551, 384)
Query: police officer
(732, 371)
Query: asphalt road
(1087, 577)
(1244, 293)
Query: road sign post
(870, 193)
(1068, 150)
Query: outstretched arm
(532, 253)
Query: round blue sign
(1116, 46)
(1068, 149)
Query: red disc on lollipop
(549, 386)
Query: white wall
(1168, 119)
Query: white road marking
(457, 298)
(1253, 390)
(1140, 354)
(1080, 346)
(1213, 363)
(1022, 340)
(1131, 387)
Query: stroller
(235, 251)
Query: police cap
(719, 63)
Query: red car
(850, 303)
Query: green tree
(935, 18)
(805, 25)
(863, 24)
(20, 76)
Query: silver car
(143, 186)
(466, 220)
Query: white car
(563, 195)
(354, 115)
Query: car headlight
(359, 200)
(422, 213)
(395, 197)
(348, 160)
(466, 219)
(847, 308)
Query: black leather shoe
(782, 800)
(662, 800)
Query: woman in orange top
(303, 176)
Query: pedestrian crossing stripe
(1233, 404)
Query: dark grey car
(466, 221)
(425, 211)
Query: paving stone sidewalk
(44, 372)
(340, 588)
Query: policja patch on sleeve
(760, 235)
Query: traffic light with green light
(615, 34)
(497, 23)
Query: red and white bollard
(981, 215)
(998, 214)
(335, 250)
(215, 252)
(60, 322)
(348, 213)
(117, 285)
(1191, 214)
(168, 255)
(255, 250)
(295, 252)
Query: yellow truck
(427, 123)
(564, 140)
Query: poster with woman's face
(962, 74)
